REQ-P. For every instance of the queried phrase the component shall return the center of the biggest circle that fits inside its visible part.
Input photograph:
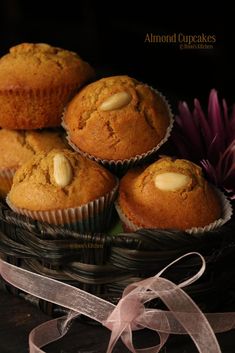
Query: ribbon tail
(56, 292)
(184, 315)
(180, 303)
(127, 340)
(166, 321)
(49, 332)
(116, 333)
(44, 334)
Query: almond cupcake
(170, 194)
(36, 81)
(17, 147)
(64, 188)
(117, 121)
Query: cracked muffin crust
(35, 186)
(63, 187)
(169, 194)
(17, 147)
(116, 118)
(36, 81)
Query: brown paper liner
(34, 108)
(6, 179)
(7, 173)
(94, 216)
(227, 212)
(122, 165)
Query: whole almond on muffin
(63, 187)
(36, 82)
(168, 194)
(17, 147)
(117, 118)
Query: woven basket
(104, 264)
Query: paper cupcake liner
(122, 165)
(6, 179)
(45, 105)
(7, 173)
(227, 212)
(94, 216)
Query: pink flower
(208, 140)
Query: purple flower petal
(216, 119)
(209, 140)
(189, 125)
(205, 128)
(179, 122)
(225, 110)
(213, 151)
(210, 171)
(231, 128)
(230, 171)
(228, 157)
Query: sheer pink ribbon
(183, 317)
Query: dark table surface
(19, 317)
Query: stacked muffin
(51, 182)
(65, 189)
(116, 122)
(170, 194)
(19, 146)
(36, 81)
(119, 122)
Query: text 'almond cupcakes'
(64, 188)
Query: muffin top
(58, 180)
(32, 66)
(17, 147)
(117, 118)
(169, 194)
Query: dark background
(110, 36)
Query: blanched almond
(62, 170)
(171, 181)
(116, 101)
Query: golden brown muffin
(117, 118)
(36, 82)
(58, 180)
(168, 194)
(17, 147)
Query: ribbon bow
(183, 317)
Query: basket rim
(49, 232)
